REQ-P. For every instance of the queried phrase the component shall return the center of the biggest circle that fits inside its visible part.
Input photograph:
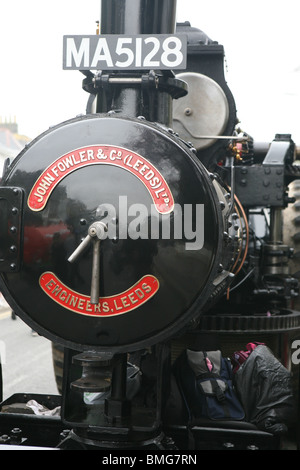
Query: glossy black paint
(50, 235)
(152, 102)
(138, 16)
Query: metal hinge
(11, 210)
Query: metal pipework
(276, 225)
(138, 16)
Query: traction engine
(150, 224)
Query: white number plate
(114, 52)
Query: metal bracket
(166, 82)
(268, 178)
(278, 153)
(11, 210)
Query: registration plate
(124, 52)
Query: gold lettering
(50, 284)
(132, 299)
(97, 308)
(139, 293)
(137, 164)
(144, 168)
(154, 181)
(146, 287)
(82, 156)
(128, 160)
(124, 302)
(73, 301)
(40, 198)
(62, 295)
(74, 159)
(56, 290)
(90, 154)
(116, 305)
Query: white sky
(261, 40)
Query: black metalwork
(233, 281)
(148, 95)
(11, 207)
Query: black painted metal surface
(181, 278)
(138, 16)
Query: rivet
(188, 111)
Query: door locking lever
(96, 233)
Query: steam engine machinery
(145, 226)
